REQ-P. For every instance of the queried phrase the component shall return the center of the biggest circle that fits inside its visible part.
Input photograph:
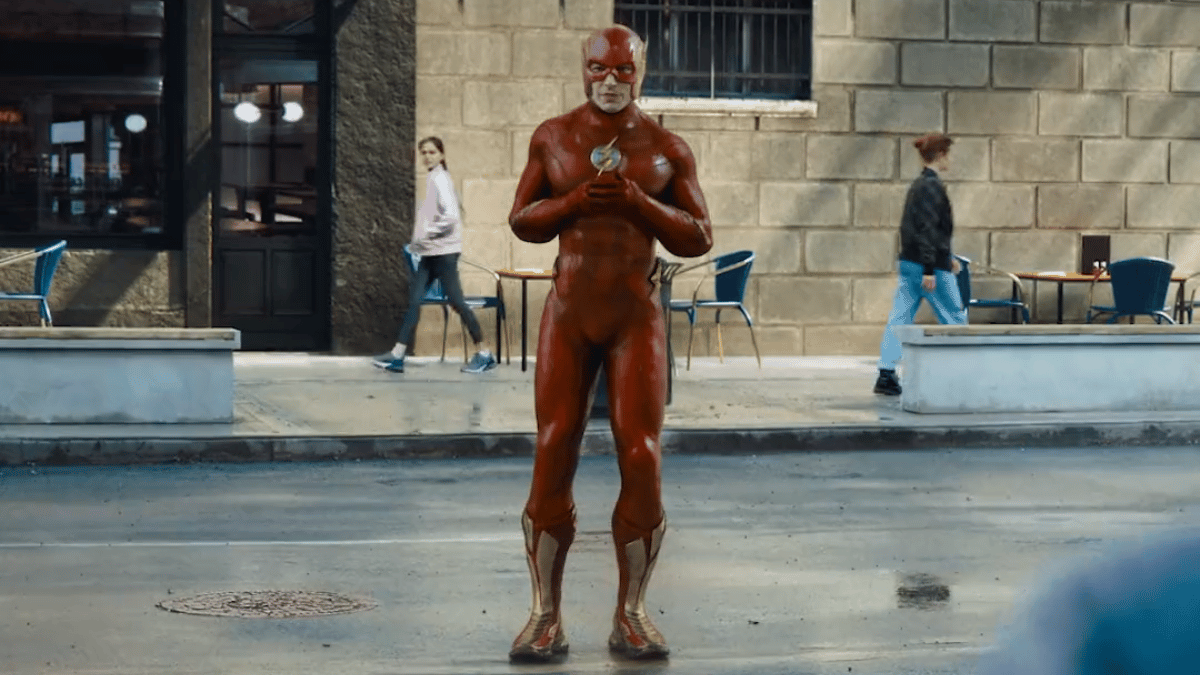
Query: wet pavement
(320, 407)
(798, 563)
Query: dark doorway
(272, 197)
(270, 261)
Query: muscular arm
(682, 226)
(536, 215)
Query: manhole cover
(268, 604)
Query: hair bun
(932, 145)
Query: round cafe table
(525, 274)
(1062, 278)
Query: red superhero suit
(608, 182)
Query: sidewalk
(317, 407)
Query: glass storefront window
(73, 19)
(269, 126)
(81, 134)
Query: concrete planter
(117, 375)
(1050, 368)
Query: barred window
(723, 48)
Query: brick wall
(1071, 118)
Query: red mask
(621, 53)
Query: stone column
(198, 169)
(373, 184)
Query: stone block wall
(1070, 118)
(101, 288)
(488, 72)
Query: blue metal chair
(43, 277)
(436, 295)
(1017, 301)
(1185, 303)
(731, 273)
(1139, 286)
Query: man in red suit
(609, 182)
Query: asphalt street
(813, 563)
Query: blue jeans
(944, 300)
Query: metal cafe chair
(730, 273)
(47, 258)
(970, 301)
(1185, 303)
(1139, 287)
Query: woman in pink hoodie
(437, 242)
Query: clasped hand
(609, 192)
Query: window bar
(770, 57)
(788, 64)
(794, 62)
(771, 26)
(654, 23)
(780, 56)
(804, 54)
(673, 40)
(679, 35)
(686, 50)
(712, 54)
(695, 35)
(747, 25)
(691, 52)
(719, 40)
(695, 26)
(762, 42)
(732, 47)
(644, 19)
(752, 25)
(704, 35)
(740, 55)
(661, 32)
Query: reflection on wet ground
(276, 395)
(870, 563)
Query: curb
(745, 441)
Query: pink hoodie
(438, 228)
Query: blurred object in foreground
(1133, 610)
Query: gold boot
(634, 635)
(543, 638)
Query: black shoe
(887, 383)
